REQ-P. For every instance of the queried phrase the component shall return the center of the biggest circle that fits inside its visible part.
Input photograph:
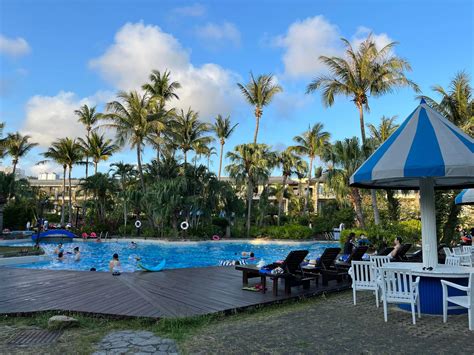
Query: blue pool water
(177, 254)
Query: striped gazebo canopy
(426, 145)
(465, 197)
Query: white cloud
(381, 40)
(304, 42)
(195, 10)
(51, 117)
(35, 169)
(219, 34)
(139, 48)
(14, 47)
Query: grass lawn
(7, 251)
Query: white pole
(428, 223)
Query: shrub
(287, 231)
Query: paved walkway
(135, 342)
(333, 325)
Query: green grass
(9, 251)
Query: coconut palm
(456, 102)
(312, 144)
(345, 157)
(363, 72)
(130, 117)
(88, 116)
(189, 132)
(259, 93)
(6, 181)
(98, 148)
(250, 165)
(223, 129)
(290, 164)
(101, 186)
(17, 146)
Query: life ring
(138, 224)
(184, 225)
(216, 237)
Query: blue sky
(55, 56)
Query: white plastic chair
(398, 287)
(448, 251)
(467, 249)
(464, 257)
(462, 301)
(453, 260)
(379, 260)
(364, 278)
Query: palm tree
(98, 148)
(345, 157)
(250, 164)
(189, 132)
(259, 93)
(6, 181)
(312, 144)
(290, 164)
(363, 72)
(161, 90)
(223, 129)
(132, 122)
(125, 173)
(17, 146)
(101, 186)
(88, 116)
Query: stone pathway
(135, 342)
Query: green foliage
(287, 231)
(16, 214)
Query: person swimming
(59, 249)
(114, 265)
(60, 256)
(248, 255)
(77, 254)
(133, 245)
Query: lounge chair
(327, 268)
(385, 251)
(356, 255)
(401, 255)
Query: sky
(58, 55)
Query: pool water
(177, 254)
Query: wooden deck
(167, 294)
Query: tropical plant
(130, 117)
(223, 129)
(250, 164)
(189, 132)
(88, 116)
(345, 157)
(97, 147)
(290, 164)
(259, 93)
(126, 174)
(6, 181)
(102, 187)
(312, 143)
(363, 72)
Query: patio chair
(465, 258)
(364, 278)
(453, 260)
(356, 255)
(401, 255)
(398, 286)
(326, 266)
(385, 251)
(460, 301)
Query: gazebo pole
(428, 223)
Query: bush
(287, 231)
(204, 231)
(16, 214)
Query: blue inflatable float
(158, 267)
(54, 234)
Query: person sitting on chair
(349, 244)
(398, 245)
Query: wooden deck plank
(168, 294)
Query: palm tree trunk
(257, 123)
(357, 202)
(2, 206)
(139, 163)
(307, 186)
(64, 195)
(220, 160)
(12, 184)
(373, 195)
(70, 195)
(393, 206)
(185, 157)
(280, 200)
(87, 157)
(95, 167)
(249, 205)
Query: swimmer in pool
(114, 265)
(77, 254)
(59, 249)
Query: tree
(6, 181)
(456, 105)
(88, 116)
(189, 132)
(345, 157)
(250, 164)
(17, 146)
(98, 148)
(101, 186)
(126, 174)
(378, 135)
(312, 144)
(223, 129)
(130, 118)
(363, 72)
(161, 90)
(259, 93)
(290, 164)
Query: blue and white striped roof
(425, 145)
(465, 197)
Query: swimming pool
(177, 254)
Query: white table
(431, 294)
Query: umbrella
(426, 152)
(465, 197)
